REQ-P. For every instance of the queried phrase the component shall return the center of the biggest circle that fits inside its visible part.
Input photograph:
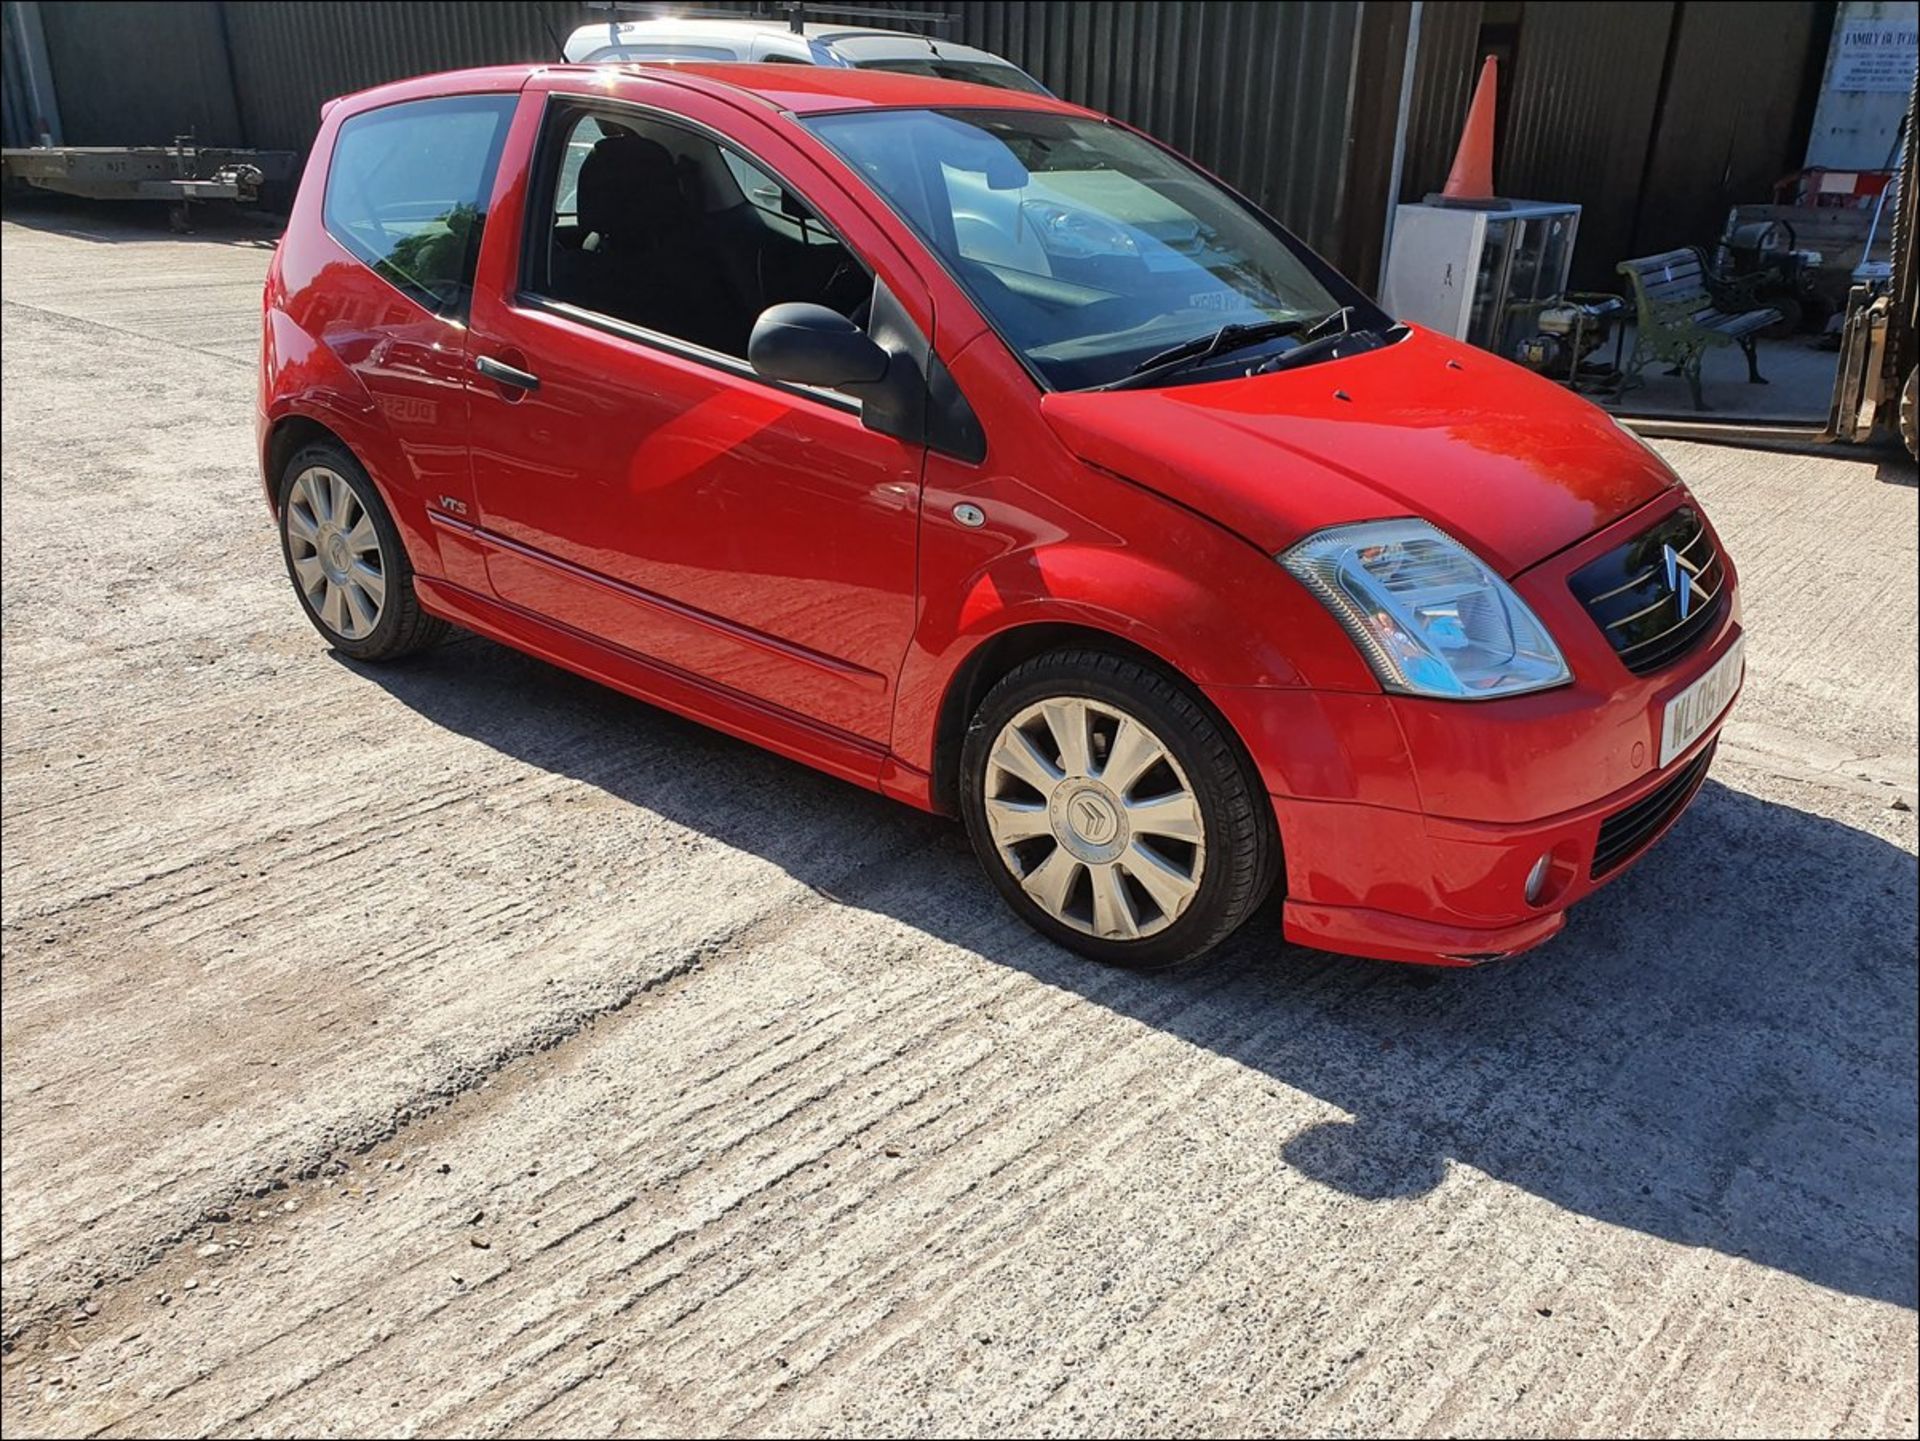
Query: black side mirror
(811, 345)
(903, 389)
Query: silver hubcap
(336, 552)
(1089, 809)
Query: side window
(779, 208)
(407, 191)
(649, 223)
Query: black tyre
(1793, 316)
(1113, 812)
(345, 559)
(1910, 412)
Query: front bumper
(1410, 827)
(1419, 888)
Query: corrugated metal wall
(18, 125)
(1449, 60)
(1580, 114)
(1644, 111)
(1732, 120)
(292, 55)
(1278, 99)
(141, 74)
(1264, 95)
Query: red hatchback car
(977, 449)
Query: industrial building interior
(1693, 212)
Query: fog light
(1537, 879)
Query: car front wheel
(1113, 812)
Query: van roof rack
(797, 12)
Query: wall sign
(1876, 56)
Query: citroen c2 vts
(977, 449)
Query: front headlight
(1430, 618)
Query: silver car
(779, 42)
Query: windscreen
(1089, 248)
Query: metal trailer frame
(177, 173)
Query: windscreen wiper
(1343, 317)
(1235, 335)
(1320, 340)
(1316, 350)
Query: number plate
(1700, 704)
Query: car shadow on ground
(1719, 1051)
(120, 222)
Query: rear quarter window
(407, 191)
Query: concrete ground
(1799, 390)
(459, 1047)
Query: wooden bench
(1680, 319)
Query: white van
(778, 42)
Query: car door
(634, 479)
(405, 196)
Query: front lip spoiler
(1382, 935)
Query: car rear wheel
(345, 558)
(1113, 812)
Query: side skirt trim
(852, 758)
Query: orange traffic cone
(1472, 175)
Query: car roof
(681, 28)
(676, 27)
(794, 89)
(817, 89)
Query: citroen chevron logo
(1094, 820)
(1681, 574)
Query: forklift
(1879, 372)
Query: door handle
(502, 373)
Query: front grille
(1628, 594)
(1624, 834)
